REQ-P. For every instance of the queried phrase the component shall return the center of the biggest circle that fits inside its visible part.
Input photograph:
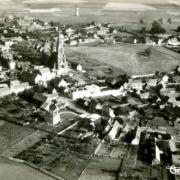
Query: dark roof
(39, 97)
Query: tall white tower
(76, 8)
(77, 11)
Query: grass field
(125, 57)
(11, 170)
(11, 134)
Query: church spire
(61, 58)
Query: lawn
(126, 57)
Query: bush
(141, 21)
(178, 29)
(157, 28)
(148, 52)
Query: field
(11, 134)
(11, 170)
(65, 156)
(126, 57)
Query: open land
(125, 57)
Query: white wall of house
(89, 93)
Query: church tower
(61, 63)
(54, 116)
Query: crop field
(11, 134)
(65, 156)
(127, 57)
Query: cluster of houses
(90, 33)
(116, 114)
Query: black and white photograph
(89, 89)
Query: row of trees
(157, 26)
(169, 21)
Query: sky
(20, 4)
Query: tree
(143, 30)
(51, 23)
(178, 29)
(161, 20)
(141, 21)
(157, 28)
(169, 20)
(148, 52)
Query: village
(88, 124)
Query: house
(69, 31)
(136, 140)
(80, 68)
(103, 31)
(176, 160)
(91, 25)
(112, 30)
(17, 87)
(73, 42)
(145, 95)
(35, 26)
(63, 83)
(136, 84)
(164, 81)
(12, 64)
(150, 42)
(160, 41)
(95, 91)
(174, 101)
(158, 153)
(171, 92)
(93, 119)
(44, 76)
(176, 79)
(135, 41)
(21, 87)
(87, 91)
(9, 43)
(173, 42)
(114, 134)
(161, 146)
(151, 82)
(5, 91)
(39, 98)
(174, 144)
(14, 83)
(24, 23)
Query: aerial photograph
(89, 89)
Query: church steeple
(61, 58)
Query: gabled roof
(39, 97)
